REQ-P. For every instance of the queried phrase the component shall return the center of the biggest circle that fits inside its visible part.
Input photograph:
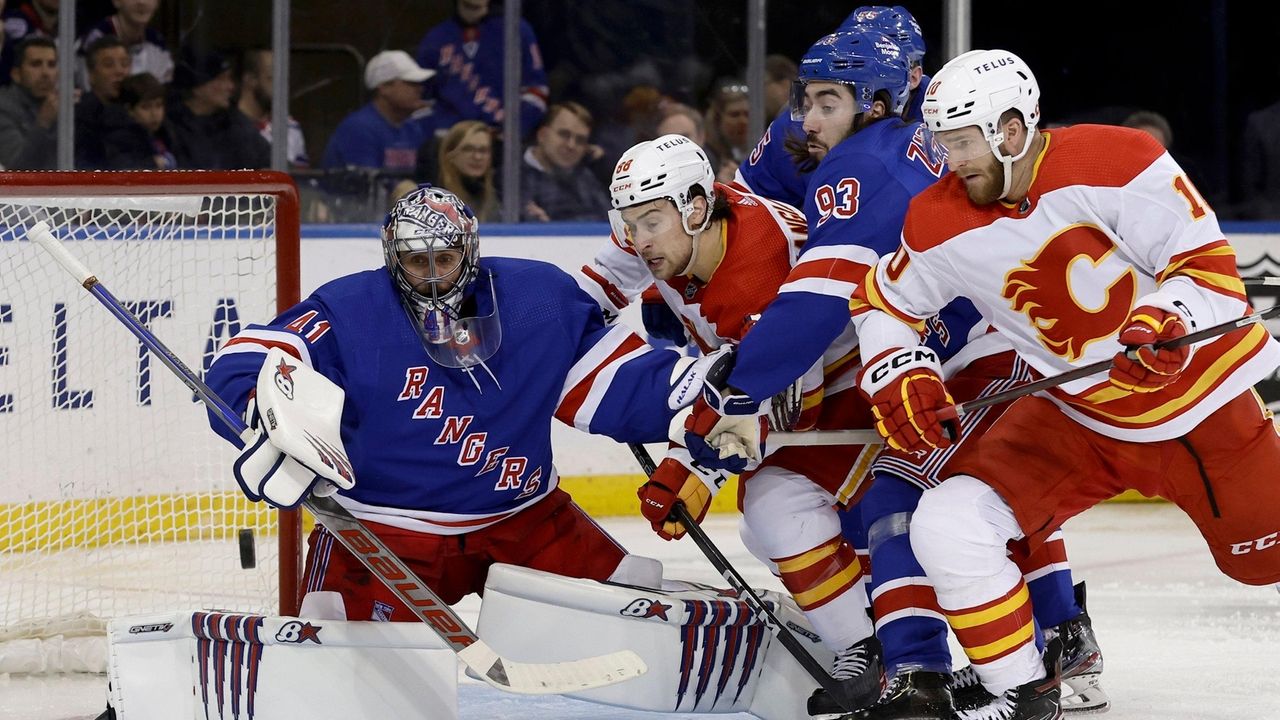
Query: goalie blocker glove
(906, 392)
(296, 413)
(678, 479)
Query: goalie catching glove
(297, 449)
(906, 392)
(1142, 368)
(678, 479)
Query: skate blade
(1081, 695)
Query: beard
(987, 188)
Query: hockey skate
(1036, 700)
(918, 695)
(1081, 663)
(859, 672)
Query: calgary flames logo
(1042, 289)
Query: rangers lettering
(512, 469)
(472, 448)
(433, 406)
(414, 378)
(453, 429)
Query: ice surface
(1181, 641)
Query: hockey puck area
(248, 549)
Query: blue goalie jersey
(448, 450)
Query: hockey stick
(1263, 280)
(813, 438)
(747, 595)
(500, 672)
(962, 409)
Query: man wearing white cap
(385, 133)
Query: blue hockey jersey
(438, 451)
(468, 61)
(855, 204)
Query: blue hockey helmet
(866, 60)
(896, 22)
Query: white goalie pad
(706, 651)
(199, 665)
(302, 414)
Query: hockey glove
(298, 448)
(660, 321)
(265, 473)
(906, 392)
(1143, 368)
(678, 479)
(727, 429)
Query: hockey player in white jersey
(453, 367)
(1079, 245)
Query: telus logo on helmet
(992, 65)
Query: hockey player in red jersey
(719, 256)
(1078, 245)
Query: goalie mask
(431, 246)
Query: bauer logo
(155, 627)
(299, 632)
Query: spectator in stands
(779, 73)
(1153, 124)
(554, 183)
(385, 133)
(467, 52)
(37, 18)
(207, 132)
(255, 102)
(143, 142)
(99, 110)
(1260, 169)
(727, 128)
(29, 108)
(146, 46)
(466, 168)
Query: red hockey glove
(678, 479)
(906, 392)
(1144, 368)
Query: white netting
(115, 496)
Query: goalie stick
(961, 409)
(746, 594)
(500, 672)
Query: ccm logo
(1263, 543)
(899, 360)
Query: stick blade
(551, 678)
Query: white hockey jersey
(1109, 218)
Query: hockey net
(115, 496)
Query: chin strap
(1007, 161)
(694, 236)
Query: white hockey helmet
(976, 88)
(668, 167)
